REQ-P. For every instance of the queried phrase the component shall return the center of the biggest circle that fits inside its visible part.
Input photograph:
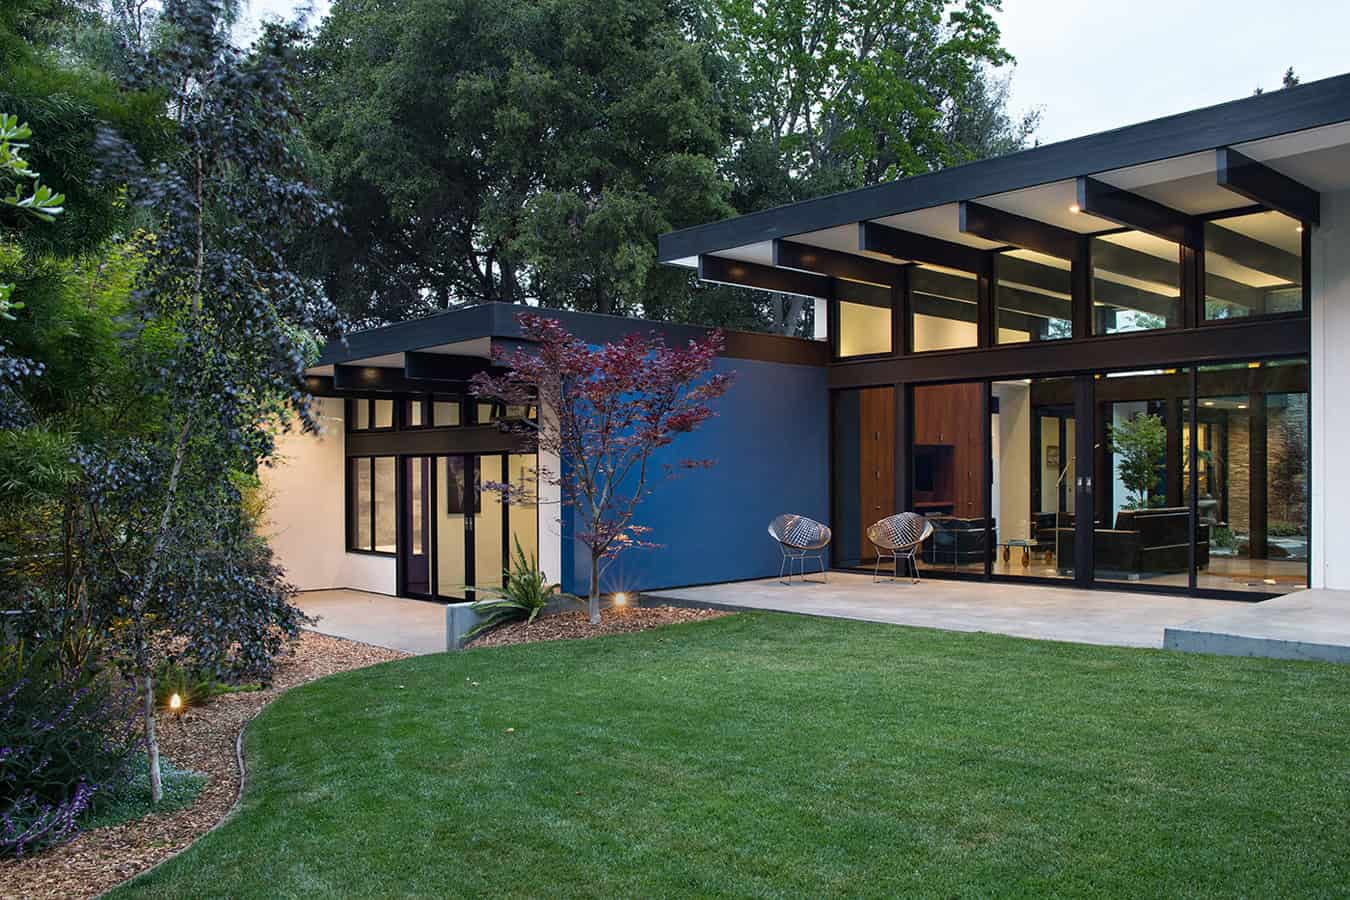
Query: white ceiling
(1319, 158)
(1052, 203)
(940, 222)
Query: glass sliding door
(1252, 476)
(1032, 435)
(473, 531)
(523, 516)
(948, 459)
(453, 509)
(488, 523)
(1142, 529)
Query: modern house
(1110, 361)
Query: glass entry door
(470, 531)
(452, 524)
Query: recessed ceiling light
(1074, 209)
(1299, 229)
(1242, 406)
(1209, 402)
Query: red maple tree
(603, 412)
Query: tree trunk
(151, 741)
(595, 590)
(793, 316)
(508, 284)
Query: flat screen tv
(924, 465)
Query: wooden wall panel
(876, 463)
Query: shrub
(64, 740)
(524, 593)
(192, 685)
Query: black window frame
(1183, 291)
(1305, 252)
(349, 513)
(350, 413)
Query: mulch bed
(570, 625)
(203, 740)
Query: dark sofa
(1145, 542)
(957, 541)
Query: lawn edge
(242, 767)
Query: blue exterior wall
(770, 438)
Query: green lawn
(773, 755)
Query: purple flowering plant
(65, 739)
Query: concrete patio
(1294, 627)
(398, 623)
(1303, 625)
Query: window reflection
(1136, 283)
(1253, 266)
(944, 308)
(1034, 297)
(1252, 475)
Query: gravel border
(206, 739)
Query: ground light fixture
(176, 704)
(621, 599)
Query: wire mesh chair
(800, 539)
(899, 537)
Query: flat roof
(1302, 132)
(472, 331)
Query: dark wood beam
(835, 263)
(444, 367)
(379, 379)
(859, 292)
(1010, 228)
(1231, 342)
(766, 278)
(1262, 184)
(910, 246)
(1123, 207)
(428, 441)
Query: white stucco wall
(306, 522)
(1329, 394)
(1012, 454)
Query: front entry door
(415, 526)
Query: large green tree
(533, 150)
(505, 150)
(841, 94)
(65, 100)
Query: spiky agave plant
(524, 593)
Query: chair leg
(781, 566)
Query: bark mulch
(570, 625)
(203, 740)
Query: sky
(1093, 65)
